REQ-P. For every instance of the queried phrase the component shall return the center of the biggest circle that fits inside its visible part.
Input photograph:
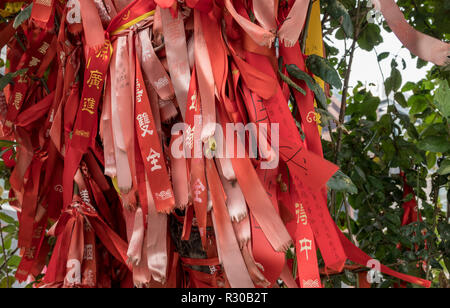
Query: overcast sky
(365, 66)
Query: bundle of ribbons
(119, 116)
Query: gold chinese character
(43, 49)
(105, 51)
(17, 100)
(305, 245)
(301, 214)
(89, 105)
(82, 133)
(34, 62)
(95, 79)
(313, 117)
(22, 79)
(127, 15)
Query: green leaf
(383, 56)
(8, 78)
(22, 16)
(6, 218)
(14, 261)
(7, 143)
(394, 82)
(444, 169)
(323, 69)
(292, 83)
(431, 160)
(338, 12)
(442, 98)
(370, 37)
(409, 86)
(340, 34)
(400, 98)
(297, 73)
(5, 80)
(418, 104)
(393, 218)
(341, 182)
(11, 229)
(370, 105)
(4, 282)
(437, 144)
(421, 63)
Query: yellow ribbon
(133, 22)
(314, 43)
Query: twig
(11, 254)
(346, 83)
(347, 214)
(344, 101)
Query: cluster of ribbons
(106, 84)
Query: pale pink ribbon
(227, 168)
(205, 79)
(179, 174)
(156, 75)
(134, 252)
(156, 240)
(259, 35)
(265, 13)
(177, 56)
(152, 67)
(137, 252)
(227, 245)
(243, 231)
(122, 109)
(237, 207)
(237, 273)
(146, 72)
(289, 32)
(105, 10)
(107, 133)
(424, 46)
(141, 273)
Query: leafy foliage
(409, 132)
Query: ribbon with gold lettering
(152, 153)
(30, 62)
(85, 127)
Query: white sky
(365, 64)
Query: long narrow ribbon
(177, 56)
(292, 26)
(422, 45)
(151, 149)
(85, 125)
(228, 247)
